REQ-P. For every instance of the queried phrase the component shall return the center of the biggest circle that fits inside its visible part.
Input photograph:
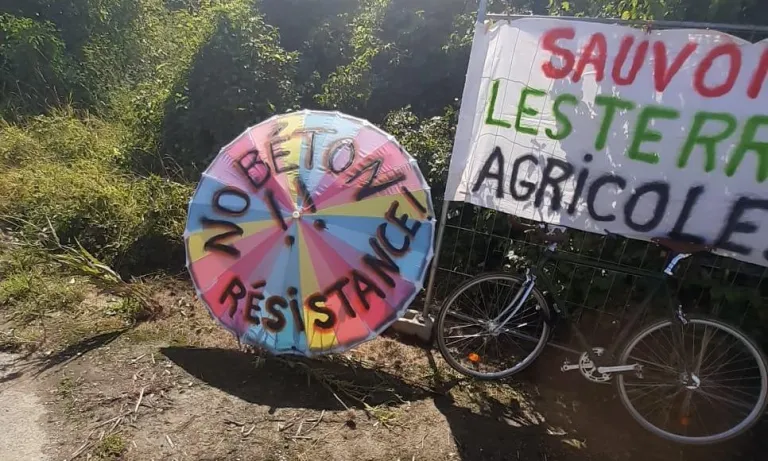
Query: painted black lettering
(381, 233)
(402, 221)
(276, 151)
(338, 288)
(369, 188)
(335, 149)
(594, 190)
(309, 137)
(235, 291)
(413, 200)
(382, 264)
(277, 323)
(316, 303)
(485, 173)
(661, 189)
(214, 243)
(248, 164)
(228, 208)
(735, 225)
(549, 179)
(296, 315)
(528, 186)
(581, 181)
(363, 285)
(690, 201)
(306, 197)
(253, 303)
(274, 209)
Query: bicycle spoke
(459, 338)
(640, 393)
(735, 342)
(724, 399)
(698, 416)
(655, 385)
(738, 370)
(657, 365)
(519, 347)
(730, 389)
(520, 335)
(466, 318)
(721, 380)
(466, 336)
(485, 303)
(473, 303)
(658, 357)
(499, 356)
(736, 379)
(704, 344)
(717, 371)
(676, 350)
(656, 402)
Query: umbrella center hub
(296, 214)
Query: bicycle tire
(545, 312)
(753, 417)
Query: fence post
(481, 15)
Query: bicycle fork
(498, 323)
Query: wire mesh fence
(478, 240)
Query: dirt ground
(179, 388)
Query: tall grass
(68, 170)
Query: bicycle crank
(597, 374)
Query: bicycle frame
(550, 254)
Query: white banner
(601, 127)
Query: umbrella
(310, 233)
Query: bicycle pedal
(568, 367)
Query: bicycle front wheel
(470, 338)
(702, 381)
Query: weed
(386, 416)
(66, 387)
(66, 390)
(15, 288)
(16, 339)
(30, 295)
(128, 308)
(111, 447)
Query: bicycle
(672, 368)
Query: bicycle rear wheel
(701, 382)
(465, 328)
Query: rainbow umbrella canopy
(310, 233)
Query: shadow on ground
(556, 416)
(77, 349)
(293, 382)
(565, 417)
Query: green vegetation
(110, 109)
(110, 448)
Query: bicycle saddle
(678, 246)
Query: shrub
(241, 76)
(35, 72)
(67, 171)
(428, 140)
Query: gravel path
(22, 437)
